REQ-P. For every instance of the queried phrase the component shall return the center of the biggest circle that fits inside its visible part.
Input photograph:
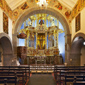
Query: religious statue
(53, 22)
(31, 40)
(41, 22)
(50, 41)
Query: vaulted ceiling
(68, 3)
(13, 4)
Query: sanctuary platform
(42, 69)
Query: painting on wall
(77, 22)
(5, 23)
(25, 6)
(59, 6)
(67, 13)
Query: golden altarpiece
(42, 39)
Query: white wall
(10, 28)
(83, 20)
(9, 24)
(73, 27)
(82, 24)
(1, 20)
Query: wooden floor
(41, 79)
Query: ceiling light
(42, 3)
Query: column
(54, 39)
(67, 47)
(34, 23)
(46, 40)
(10, 28)
(58, 23)
(57, 34)
(26, 42)
(45, 20)
(48, 23)
(7, 59)
(36, 40)
(37, 23)
(14, 41)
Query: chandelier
(42, 3)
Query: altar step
(41, 72)
(42, 69)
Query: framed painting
(77, 22)
(5, 23)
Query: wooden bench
(22, 73)
(75, 79)
(61, 72)
(8, 79)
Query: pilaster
(67, 47)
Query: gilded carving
(25, 6)
(67, 13)
(59, 6)
(1, 3)
(78, 7)
(6, 8)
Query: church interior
(42, 42)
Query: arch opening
(36, 10)
(30, 12)
(77, 51)
(6, 51)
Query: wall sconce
(84, 42)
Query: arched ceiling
(49, 11)
(68, 3)
(13, 4)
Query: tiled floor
(42, 79)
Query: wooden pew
(78, 83)
(20, 76)
(22, 73)
(25, 70)
(10, 79)
(60, 72)
(75, 79)
(6, 79)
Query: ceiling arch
(13, 4)
(36, 10)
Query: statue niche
(31, 40)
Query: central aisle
(42, 79)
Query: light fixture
(42, 3)
(84, 43)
